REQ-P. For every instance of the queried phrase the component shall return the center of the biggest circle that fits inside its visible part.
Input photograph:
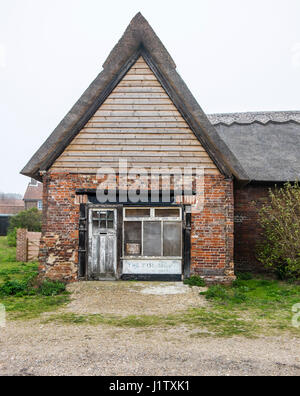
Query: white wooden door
(102, 244)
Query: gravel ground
(133, 298)
(31, 348)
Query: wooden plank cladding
(137, 122)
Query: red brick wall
(248, 201)
(212, 232)
(212, 228)
(21, 251)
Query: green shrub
(12, 238)
(239, 296)
(217, 292)
(244, 276)
(51, 288)
(31, 286)
(30, 219)
(13, 288)
(280, 221)
(195, 281)
(225, 294)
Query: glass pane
(95, 215)
(103, 215)
(172, 239)
(110, 224)
(110, 215)
(137, 212)
(95, 224)
(103, 224)
(132, 238)
(167, 212)
(152, 238)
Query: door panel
(103, 244)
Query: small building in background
(33, 197)
(9, 206)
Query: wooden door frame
(119, 214)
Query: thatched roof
(266, 144)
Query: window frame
(152, 218)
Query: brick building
(9, 206)
(104, 217)
(33, 197)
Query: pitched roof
(266, 144)
(34, 192)
(11, 206)
(138, 40)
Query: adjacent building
(9, 207)
(33, 197)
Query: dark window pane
(110, 224)
(95, 224)
(167, 212)
(172, 239)
(137, 212)
(152, 238)
(95, 215)
(110, 215)
(132, 238)
(103, 224)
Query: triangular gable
(138, 40)
(137, 122)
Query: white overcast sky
(235, 55)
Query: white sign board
(154, 267)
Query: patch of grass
(268, 303)
(7, 254)
(195, 281)
(21, 294)
(30, 307)
(10, 270)
(213, 323)
(244, 276)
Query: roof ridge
(262, 117)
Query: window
(152, 239)
(137, 212)
(40, 205)
(103, 219)
(172, 234)
(167, 212)
(152, 232)
(133, 238)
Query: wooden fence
(28, 245)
